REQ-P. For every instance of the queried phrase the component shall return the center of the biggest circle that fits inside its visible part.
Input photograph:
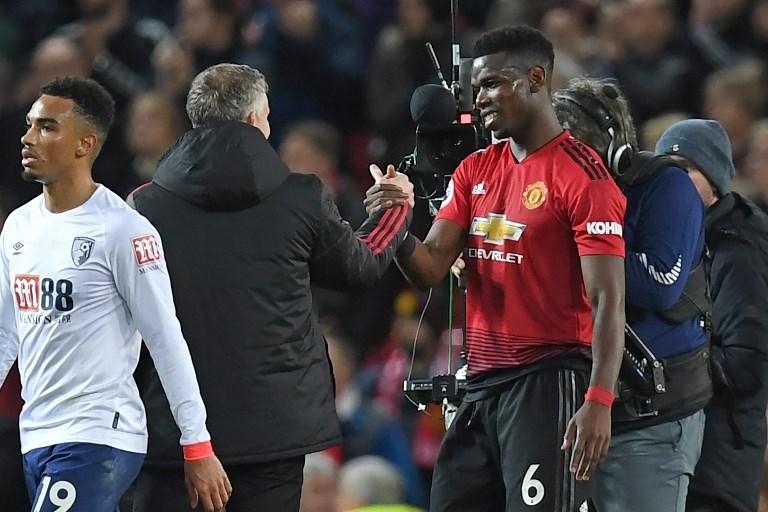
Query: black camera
(448, 129)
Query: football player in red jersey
(541, 221)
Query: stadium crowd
(340, 74)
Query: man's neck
(543, 128)
(68, 193)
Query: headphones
(619, 156)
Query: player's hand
(388, 190)
(207, 484)
(589, 434)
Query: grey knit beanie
(706, 145)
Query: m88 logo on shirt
(34, 294)
(146, 249)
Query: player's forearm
(173, 362)
(608, 339)
(421, 267)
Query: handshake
(388, 190)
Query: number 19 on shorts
(61, 494)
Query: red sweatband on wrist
(600, 395)
(198, 451)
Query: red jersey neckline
(541, 150)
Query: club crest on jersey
(496, 228)
(146, 249)
(534, 195)
(82, 248)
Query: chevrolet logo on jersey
(496, 228)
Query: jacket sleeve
(668, 242)
(350, 260)
(739, 282)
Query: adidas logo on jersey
(604, 228)
(478, 189)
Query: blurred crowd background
(341, 73)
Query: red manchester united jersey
(527, 224)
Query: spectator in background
(371, 484)
(52, 57)
(399, 64)
(735, 97)
(366, 428)
(207, 32)
(117, 47)
(721, 30)
(756, 163)
(655, 58)
(653, 128)
(318, 491)
(314, 63)
(730, 470)
(315, 147)
(154, 123)
(759, 19)
(569, 34)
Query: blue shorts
(79, 477)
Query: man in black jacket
(730, 470)
(244, 238)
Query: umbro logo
(479, 189)
(17, 248)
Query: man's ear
(252, 119)
(537, 78)
(87, 145)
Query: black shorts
(503, 452)
(255, 487)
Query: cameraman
(730, 470)
(657, 437)
(537, 214)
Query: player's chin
(501, 132)
(30, 174)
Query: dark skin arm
(589, 431)
(429, 263)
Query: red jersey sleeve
(596, 209)
(455, 206)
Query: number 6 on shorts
(530, 483)
(61, 494)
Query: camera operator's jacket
(737, 238)
(243, 237)
(664, 232)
